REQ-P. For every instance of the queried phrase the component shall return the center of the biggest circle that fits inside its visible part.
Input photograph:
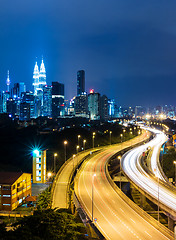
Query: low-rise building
(14, 188)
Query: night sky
(126, 47)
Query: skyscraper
(94, 105)
(42, 76)
(22, 88)
(8, 81)
(39, 78)
(81, 105)
(80, 82)
(15, 90)
(36, 78)
(47, 101)
(104, 108)
(30, 106)
(5, 97)
(57, 99)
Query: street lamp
(131, 137)
(49, 174)
(121, 136)
(78, 139)
(65, 147)
(55, 155)
(93, 137)
(124, 133)
(94, 175)
(174, 162)
(77, 148)
(110, 136)
(84, 144)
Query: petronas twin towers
(39, 78)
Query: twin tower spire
(39, 78)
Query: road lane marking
(132, 220)
(148, 234)
(121, 209)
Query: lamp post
(49, 175)
(65, 148)
(124, 133)
(77, 147)
(93, 195)
(110, 136)
(131, 137)
(93, 137)
(121, 136)
(174, 162)
(84, 144)
(78, 139)
(55, 155)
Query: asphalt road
(115, 218)
(60, 196)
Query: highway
(116, 219)
(60, 192)
(150, 184)
(154, 161)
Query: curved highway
(115, 218)
(150, 184)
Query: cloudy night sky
(127, 48)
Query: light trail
(149, 184)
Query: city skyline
(129, 55)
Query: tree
(44, 200)
(48, 224)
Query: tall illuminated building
(39, 84)
(39, 166)
(94, 105)
(42, 76)
(36, 78)
(104, 108)
(39, 78)
(80, 82)
(5, 97)
(8, 81)
(47, 101)
(22, 88)
(81, 106)
(58, 108)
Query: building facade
(81, 105)
(47, 101)
(57, 99)
(14, 188)
(94, 105)
(104, 108)
(80, 82)
(39, 166)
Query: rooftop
(9, 177)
